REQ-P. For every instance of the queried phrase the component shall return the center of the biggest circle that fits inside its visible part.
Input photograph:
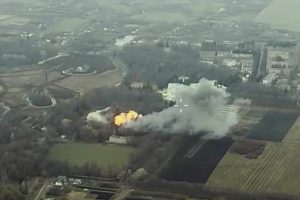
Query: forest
(159, 66)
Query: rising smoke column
(205, 103)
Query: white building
(114, 139)
(169, 94)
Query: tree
(11, 192)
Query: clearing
(106, 156)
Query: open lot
(276, 170)
(281, 14)
(106, 156)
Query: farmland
(273, 126)
(274, 12)
(105, 156)
(275, 170)
(196, 160)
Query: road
(122, 193)
(119, 64)
(261, 59)
(42, 191)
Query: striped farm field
(276, 170)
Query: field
(161, 17)
(281, 14)
(3, 17)
(99, 62)
(61, 93)
(114, 156)
(16, 89)
(14, 21)
(196, 160)
(276, 170)
(77, 196)
(67, 25)
(83, 84)
(273, 127)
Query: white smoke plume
(100, 116)
(201, 107)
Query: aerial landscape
(149, 100)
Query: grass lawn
(114, 156)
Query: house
(61, 180)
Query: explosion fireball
(123, 118)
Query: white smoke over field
(201, 107)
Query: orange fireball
(123, 118)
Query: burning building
(123, 118)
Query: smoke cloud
(199, 107)
(100, 116)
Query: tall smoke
(200, 107)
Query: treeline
(21, 152)
(10, 192)
(24, 51)
(261, 94)
(160, 66)
(123, 98)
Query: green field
(113, 156)
(281, 14)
